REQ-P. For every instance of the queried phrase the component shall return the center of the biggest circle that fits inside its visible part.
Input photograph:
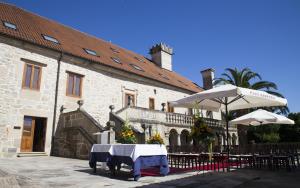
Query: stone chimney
(161, 55)
(208, 76)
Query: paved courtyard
(36, 172)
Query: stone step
(31, 154)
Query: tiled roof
(31, 28)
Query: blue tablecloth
(141, 162)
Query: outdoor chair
(296, 159)
(248, 160)
(262, 161)
(234, 159)
(219, 161)
(280, 161)
(203, 161)
(175, 160)
(191, 160)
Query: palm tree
(246, 78)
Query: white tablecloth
(133, 151)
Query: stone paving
(37, 172)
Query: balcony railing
(144, 115)
(175, 118)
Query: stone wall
(16, 102)
(102, 87)
(75, 135)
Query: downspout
(55, 101)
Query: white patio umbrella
(229, 97)
(261, 117)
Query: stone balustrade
(144, 115)
(182, 119)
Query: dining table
(138, 156)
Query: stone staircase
(31, 154)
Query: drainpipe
(55, 100)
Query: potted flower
(127, 136)
(201, 133)
(155, 139)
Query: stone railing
(175, 118)
(144, 115)
(215, 123)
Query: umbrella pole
(227, 136)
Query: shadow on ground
(122, 175)
(242, 178)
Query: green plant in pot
(155, 139)
(127, 136)
(201, 133)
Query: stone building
(57, 84)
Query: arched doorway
(173, 137)
(184, 137)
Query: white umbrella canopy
(261, 117)
(230, 96)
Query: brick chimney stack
(161, 55)
(208, 76)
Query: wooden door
(27, 134)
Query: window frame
(7, 23)
(31, 76)
(129, 94)
(50, 39)
(136, 67)
(114, 50)
(116, 60)
(139, 59)
(91, 52)
(151, 99)
(73, 94)
(170, 109)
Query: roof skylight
(139, 59)
(117, 60)
(51, 39)
(91, 52)
(165, 77)
(136, 67)
(196, 84)
(9, 25)
(114, 50)
(182, 82)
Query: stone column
(147, 131)
(178, 140)
(166, 139)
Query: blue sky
(263, 35)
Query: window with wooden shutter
(74, 85)
(129, 99)
(170, 108)
(151, 104)
(32, 76)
